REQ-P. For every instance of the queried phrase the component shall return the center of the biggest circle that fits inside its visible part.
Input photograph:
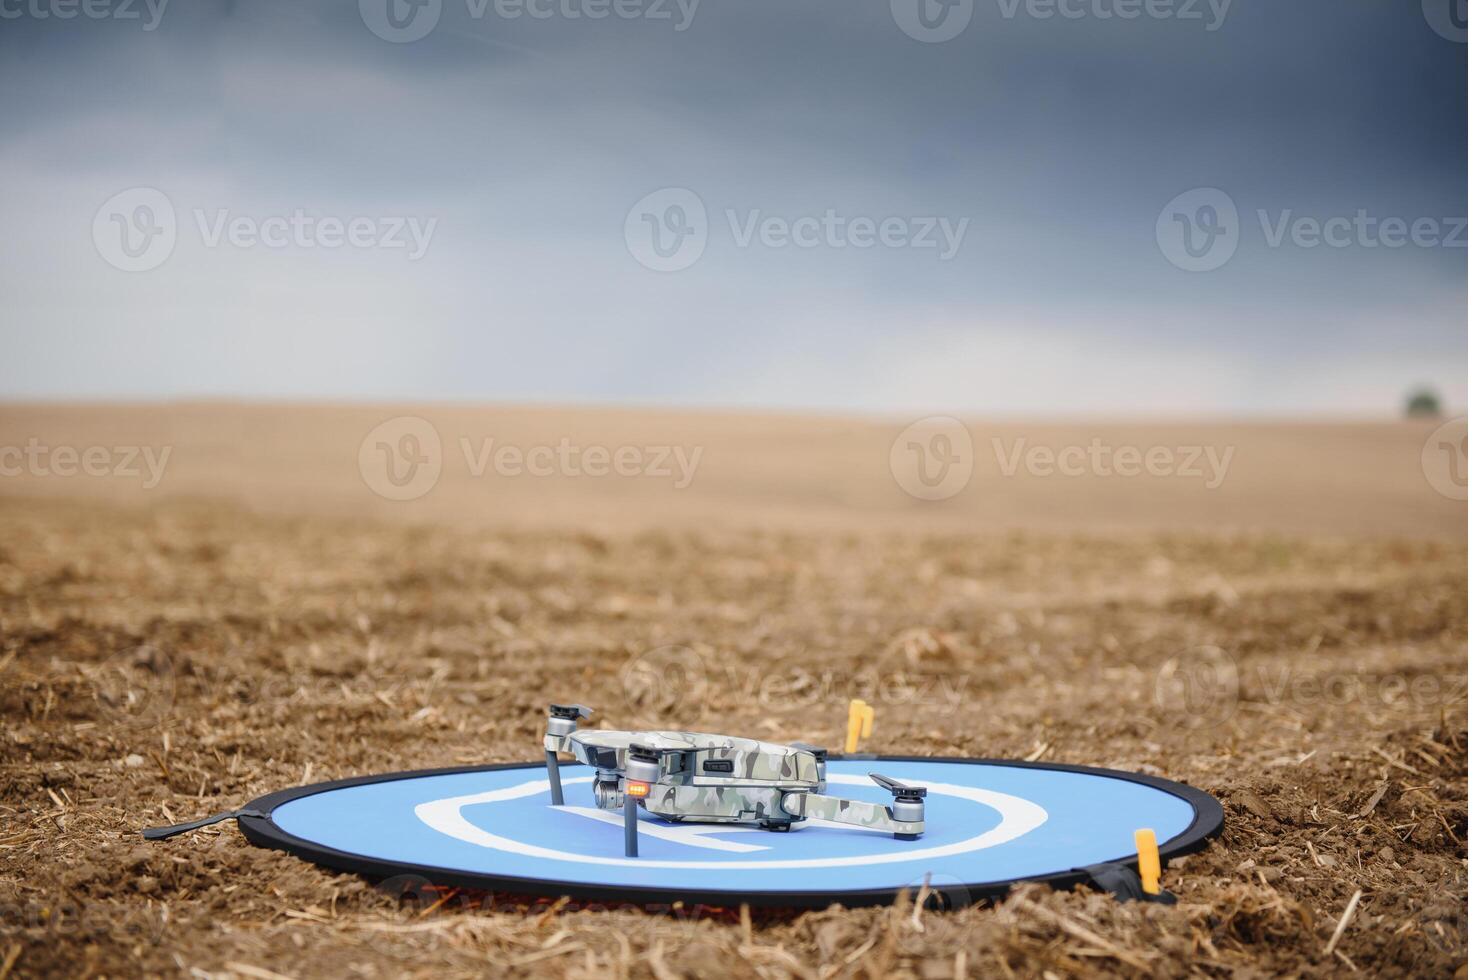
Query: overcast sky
(300, 200)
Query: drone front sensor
(689, 777)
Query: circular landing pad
(989, 824)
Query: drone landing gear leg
(559, 727)
(553, 766)
(629, 823)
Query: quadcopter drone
(686, 776)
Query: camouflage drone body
(688, 776)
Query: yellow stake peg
(858, 724)
(1149, 862)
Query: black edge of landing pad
(263, 832)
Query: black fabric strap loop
(163, 833)
(1123, 882)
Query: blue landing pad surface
(989, 824)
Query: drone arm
(906, 823)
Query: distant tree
(1423, 403)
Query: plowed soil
(170, 657)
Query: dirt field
(1292, 641)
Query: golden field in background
(1347, 479)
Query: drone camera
(605, 791)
